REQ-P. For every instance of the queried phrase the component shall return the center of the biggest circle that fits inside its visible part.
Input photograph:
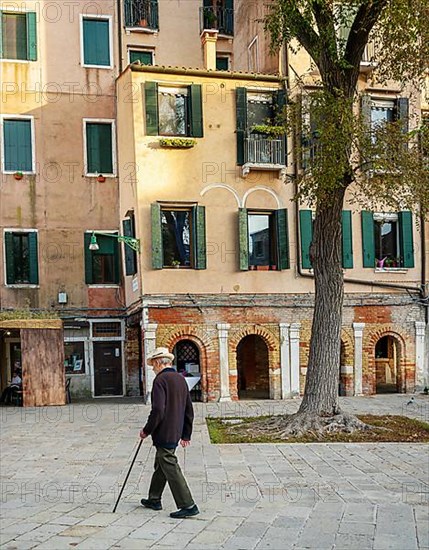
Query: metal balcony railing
(217, 18)
(141, 13)
(260, 150)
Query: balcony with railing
(264, 153)
(141, 14)
(217, 18)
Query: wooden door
(107, 368)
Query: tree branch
(301, 27)
(365, 20)
(325, 23)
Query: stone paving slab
(61, 490)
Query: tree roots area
(311, 428)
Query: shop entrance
(187, 361)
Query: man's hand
(185, 442)
(142, 434)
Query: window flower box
(269, 130)
(177, 143)
(18, 175)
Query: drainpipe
(424, 281)
(119, 10)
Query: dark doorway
(107, 368)
(187, 361)
(387, 365)
(252, 367)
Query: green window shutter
(89, 277)
(368, 244)
(17, 145)
(116, 260)
(145, 58)
(96, 42)
(241, 113)
(196, 110)
(403, 113)
(99, 148)
(31, 36)
(243, 239)
(282, 239)
(129, 254)
(34, 260)
(306, 233)
(199, 220)
(347, 239)
(10, 260)
(222, 64)
(406, 238)
(151, 103)
(157, 249)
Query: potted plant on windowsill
(210, 19)
(18, 175)
(177, 143)
(269, 131)
(263, 267)
(175, 263)
(101, 178)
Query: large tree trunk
(321, 388)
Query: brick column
(149, 340)
(285, 360)
(358, 334)
(294, 358)
(223, 329)
(421, 380)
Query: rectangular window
(21, 258)
(96, 42)
(178, 236)
(387, 239)
(218, 15)
(106, 330)
(141, 13)
(18, 36)
(99, 148)
(263, 238)
(17, 145)
(260, 139)
(173, 111)
(74, 357)
(102, 265)
(145, 57)
(222, 63)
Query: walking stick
(128, 475)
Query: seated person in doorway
(15, 384)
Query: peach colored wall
(58, 199)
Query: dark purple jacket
(172, 414)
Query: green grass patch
(386, 428)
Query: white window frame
(254, 43)
(20, 230)
(112, 122)
(142, 50)
(85, 341)
(82, 55)
(33, 143)
(18, 10)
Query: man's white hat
(158, 353)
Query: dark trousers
(168, 470)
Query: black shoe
(185, 512)
(152, 504)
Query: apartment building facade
(169, 155)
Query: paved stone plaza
(61, 468)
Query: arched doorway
(252, 368)
(387, 365)
(187, 362)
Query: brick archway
(206, 351)
(271, 338)
(346, 378)
(404, 366)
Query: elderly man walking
(170, 421)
